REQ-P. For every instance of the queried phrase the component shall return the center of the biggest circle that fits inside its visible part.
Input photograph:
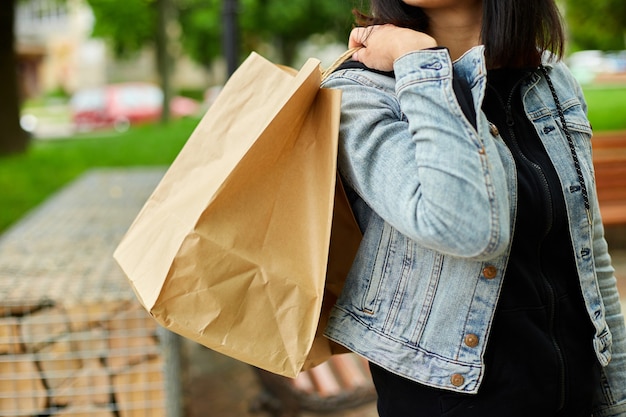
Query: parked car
(120, 105)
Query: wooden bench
(609, 158)
(341, 383)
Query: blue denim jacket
(435, 198)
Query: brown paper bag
(232, 248)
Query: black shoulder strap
(359, 65)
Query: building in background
(54, 48)
(56, 53)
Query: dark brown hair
(515, 32)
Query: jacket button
(493, 129)
(457, 380)
(490, 272)
(471, 340)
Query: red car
(120, 105)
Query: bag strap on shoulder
(343, 62)
(340, 60)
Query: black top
(542, 334)
(540, 353)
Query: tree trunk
(231, 35)
(164, 60)
(13, 138)
(288, 50)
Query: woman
(483, 285)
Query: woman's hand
(381, 45)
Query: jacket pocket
(383, 256)
(401, 287)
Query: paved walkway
(107, 201)
(62, 250)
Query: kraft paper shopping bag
(232, 249)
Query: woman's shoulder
(560, 74)
(556, 65)
(356, 73)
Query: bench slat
(349, 371)
(304, 383)
(326, 383)
(609, 159)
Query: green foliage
(296, 19)
(283, 23)
(201, 25)
(129, 26)
(597, 24)
(286, 24)
(194, 93)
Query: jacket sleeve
(415, 158)
(610, 400)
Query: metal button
(490, 272)
(457, 380)
(493, 129)
(471, 340)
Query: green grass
(27, 179)
(607, 107)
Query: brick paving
(63, 249)
(212, 384)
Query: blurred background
(75, 69)
(123, 83)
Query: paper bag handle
(342, 58)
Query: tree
(165, 14)
(598, 24)
(12, 137)
(288, 24)
(201, 25)
(128, 26)
(284, 24)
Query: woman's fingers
(382, 44)
(358, 36)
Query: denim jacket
(435, 196)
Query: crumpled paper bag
(232, 249)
